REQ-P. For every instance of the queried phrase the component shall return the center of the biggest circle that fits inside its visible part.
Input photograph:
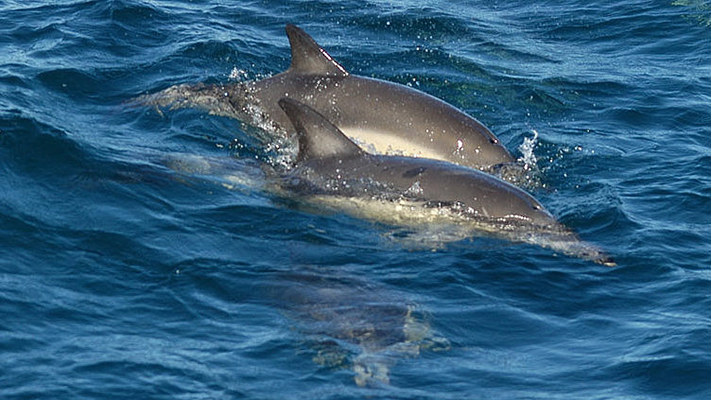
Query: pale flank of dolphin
(331, 169)
(382, 116)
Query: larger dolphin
(330, 166)
(382, 116)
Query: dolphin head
(494, 156)
(524, 205)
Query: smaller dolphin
(330, 166)
(384, 116)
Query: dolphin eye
(413, 172)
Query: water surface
(120, 278)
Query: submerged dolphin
(330, 166)
(352, 322)
(384, 116)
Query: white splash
(528, 158)
(238, 75)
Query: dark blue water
(122, 279)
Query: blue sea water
(121, 279)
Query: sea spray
(528, 158)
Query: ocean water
(121, 278)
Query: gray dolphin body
(386, 117)
(331, 166)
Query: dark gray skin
(384, 116)
(328, 163)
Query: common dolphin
(383, 116)
(329, 165)
(349, 321)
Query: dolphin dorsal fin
(318, 138)
(307, 57)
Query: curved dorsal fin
(318, 138)
(307, 57)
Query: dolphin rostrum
(382, 116)
(330, 166)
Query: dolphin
(330, 166)
(349, 321)
(383, 117)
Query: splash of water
(524, 171)
(238, 75)
(528, 158)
